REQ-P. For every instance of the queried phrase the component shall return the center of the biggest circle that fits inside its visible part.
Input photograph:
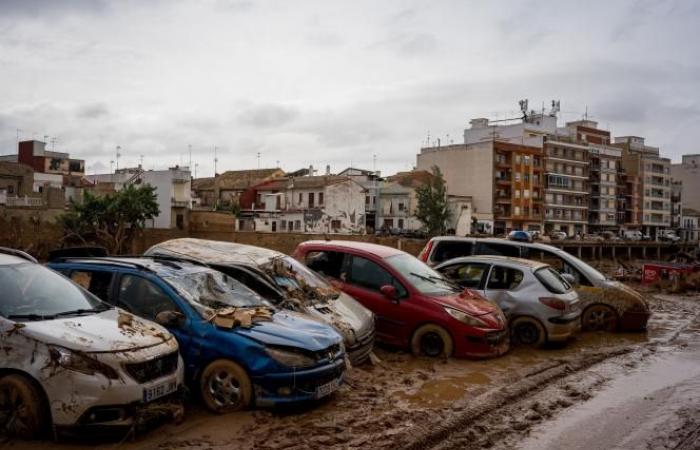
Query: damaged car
(415, 306)
(606, 304)
(238, 349)
(70, 360)
(541, 306)
(286, 283)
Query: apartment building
(653, 184)
(687, 172)
(173, 191)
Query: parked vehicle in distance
(606, 304)
(610, 236)
(668, 236)
(72, 360)
(415, 306)
(237, 349)
(286, 283)
(520, 236)
(540, 305)
(558, 235)
(632, 235)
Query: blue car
(238, 350)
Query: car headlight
(77, 362)
(466, 318)
(290, 358)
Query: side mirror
(170, 319)
(569, 278)
(388, 291)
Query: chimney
(328, 169)
(311, 170)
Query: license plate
(159, 391)
(328, 388)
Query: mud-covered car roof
(381, 251)
(214, 252)
(161, 267)
(504, 260)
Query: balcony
(175, 203)
(27, 202)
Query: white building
(173, 191)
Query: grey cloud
(93, 111)
(268, 115)
(43, 8)
(410, 43)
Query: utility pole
(190, 149)
(118, 155)
(196, 166)
(216, 160)
(258, 160)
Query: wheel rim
(224, 389)
(527, 333)
(599, 318)
(13, 412)
(431, 344)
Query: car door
(501, 281)
(362, 279)
(469, 275)
(145, 298)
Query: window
(335, 225)
(301, 198)
(504, 278)
(368, 274)
(402, 206)
(451, 249)
(517, 176)
(471, 275)
(10, 189)
(311, 199)
(97, 282)
(320, 198)
(367, 200)
(326, 263)
(143, 298)
(400, 224)
(283, 225)
(297, 225)
(491, 248)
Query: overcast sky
(331, 82)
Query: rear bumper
(562, 328)
(275, 389)
(489, 345)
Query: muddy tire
(432, 340)
(599, 318)
(527, 331)
(225, 387)
(22, 409)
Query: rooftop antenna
(585, 115)
(216, 160)
(53, 143)
(196, 166)
(111, 165)
(189, 147)
(556, 107)
(374, 162)
(141, 161)
(523, 107)
(118, 155)
(46, 138)
(258, 160)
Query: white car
(68, 359)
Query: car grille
(153, 369)
(329, 353)
(496, 337)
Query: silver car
(539, 303)
(285, 282)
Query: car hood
(109, 331)
(346, 315)
(291, 329)
(613, 293)
(469, 302)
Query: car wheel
(22, 411)
(599, 317)
(528, 331)
(431, 340)
(225, 387)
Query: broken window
(504, 278)
(97, 282)
(326, 263)
(471, 275)
(143, 298)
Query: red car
(414, 305)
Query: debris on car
(240, 317)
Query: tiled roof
(243, 179)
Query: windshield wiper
(77, 312)
(423, 277)
(32, 316)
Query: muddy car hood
(109, 331)
(624, 293)
(469, 302)
(346, 315)
(292, 330)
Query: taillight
(553, 303)
(423, 255)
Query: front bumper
(561, 328)
(487, 345)
(634, 320)
(297, 386)
(360, 350)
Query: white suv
(68, 359)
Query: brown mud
(406, 402)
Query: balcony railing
(179, 203)
(33, 202)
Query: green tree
(110, 220)
(432, 203)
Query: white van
(633, 235)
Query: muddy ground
(527, 399)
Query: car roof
(160, 267)
(213, 252)
(381, 251)
(10, 260)
(536, 245)
(503, 260)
